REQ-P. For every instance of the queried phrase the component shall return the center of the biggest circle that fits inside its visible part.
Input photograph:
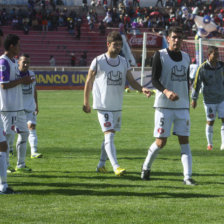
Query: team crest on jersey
(179, 73)
(161, 130)
(107, 124)
(114, 79)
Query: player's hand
(26, 80)
(36, 111)
(86, 108)
(147, 92)
(194, 104)
(171, 95)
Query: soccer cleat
(23, 169)
(11, 154)
(189, 182)
(210, 147)
(222, 147)
(145, 174)
(8, 191)
(119, 171)
(10, 169)
(36, 156)
(101, 169)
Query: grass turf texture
(64, 187)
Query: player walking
(170, 76)
(107, 77)
(11, 99)
(210, 77)
(30, 102)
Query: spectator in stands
(136, 3)
(71, 26)
(159, 1)
(26, 27)
(73, 59)
(84, 5)
(78, 26)
(102, 28)
(108, 19)
(44, 23)
(93, 3)
(105, 5)
(52, 61)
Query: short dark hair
(25, 55)
(11, 39)
(1, 33)
(175, 29)
(211, 49)
(114, 36)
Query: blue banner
(59, 78)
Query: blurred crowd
(127, 15)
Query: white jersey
(109, 83)
(11, 100)
(28, 93)
(193, 70)
(174, 77)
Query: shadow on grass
(74, 192)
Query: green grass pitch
(64, 187)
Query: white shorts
(164, 118)
(14, 122)
(2, 133)
(31, 117)
(109, 120)
(212, 109)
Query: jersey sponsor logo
(2, 68)
(161, 130)
(114, 79)
(179, 74)
(107, 124)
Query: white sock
(3, 171)
(186, 159)
(33, 141)
(152, 154)
(10, 138)
(103, 156)
(209, 134)
(222, 133)
(21, 149)
(111, 150)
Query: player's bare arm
(170, 95)
(134, 84)
(87, 89)
(24, 80)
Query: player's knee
(161, 142)
(31, 126)
(210, 123)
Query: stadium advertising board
(60, 79)
(153, 40)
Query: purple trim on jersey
(22, 74)
(4, 71)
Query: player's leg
(163, 123)
(111, 122)
(8, 120)
(11, 140)
(221, 116)
(21, 144)
(182, 130)
(103, 158)
(210, 111)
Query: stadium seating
(40, 45)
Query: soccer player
(210, 76)
(30, 103)
(106, 78)
(11, 99)
(4, 188)
(170, 76)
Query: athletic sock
(33, 141)
(222, 133)
(103, 156)
(209, 134)
(3, 171)
(186, 159)
(152, 154)
(21, 149)
(111, 150)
